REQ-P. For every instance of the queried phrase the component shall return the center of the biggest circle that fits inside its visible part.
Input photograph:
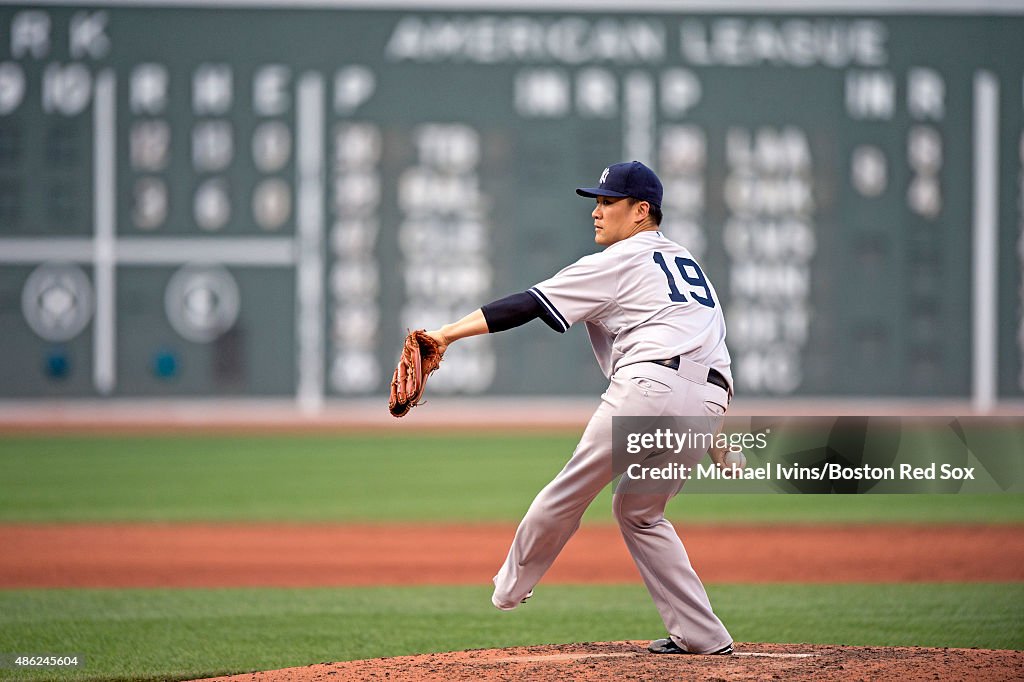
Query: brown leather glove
(421, 355)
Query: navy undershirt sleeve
(513, 311)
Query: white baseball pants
(641, 389)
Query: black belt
(714, 376)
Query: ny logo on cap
(604, 176)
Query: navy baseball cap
(627, 179)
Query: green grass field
(165, 634)
(180, 634)
(474, 477)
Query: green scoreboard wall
(259, 200)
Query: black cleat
(668, 646)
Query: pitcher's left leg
(555, 513)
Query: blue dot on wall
(165, 364)
(57, 364)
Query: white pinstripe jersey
(643, 298)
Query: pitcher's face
(616, 219)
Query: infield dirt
(293, 555)
(314, 555)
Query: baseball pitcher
(658, 332)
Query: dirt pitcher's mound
(630, 660)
